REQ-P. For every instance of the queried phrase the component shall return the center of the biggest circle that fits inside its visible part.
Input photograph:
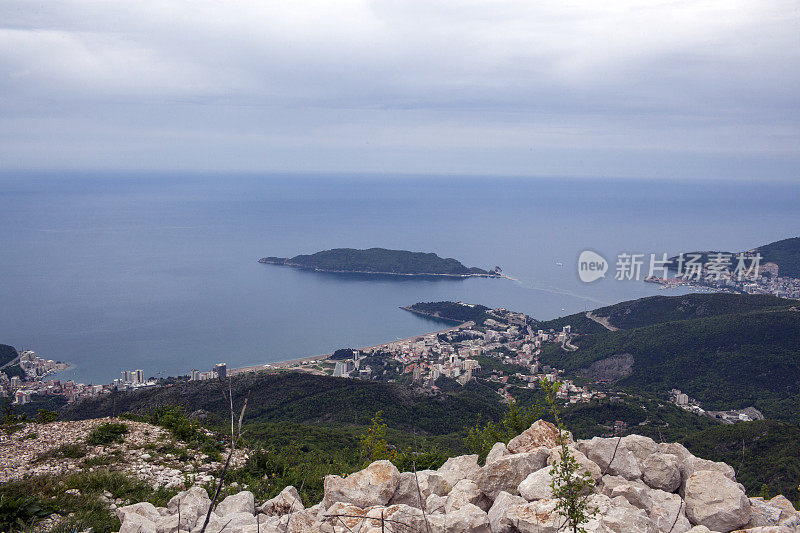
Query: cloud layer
(649, 88)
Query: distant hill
(7, 353)
(727, 360)
(660, 309)
(784, 253)
(379, 261)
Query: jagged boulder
(612, 456)
(788, 512)
(540, 434)
(145, 510)
(288, 500)
(498, 450)
(714, 501)
(635, 492)
(662, 471)
(506, 473)
(242, 502)
(640, 446)
(412, 487)
(343, 516)
(468, 518)
(231, 523)
(666, 510)
(136, 523)
(375, 485)
(457, 468)
(539, 516)
(587, 466)
(193, 504)
(303, 521)
(502, 502)
(435, 503)
(537, 485)
(763, 514)
(466, 491)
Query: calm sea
(159, 272)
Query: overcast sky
(684, 89)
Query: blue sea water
(159, 272)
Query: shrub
(107, 433)
(17, 512)
(69, 451)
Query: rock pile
(30, 452)
(640, 487)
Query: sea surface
(159, 272)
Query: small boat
(559, 263)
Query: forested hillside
(660, 309)
(726, 362)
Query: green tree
(374, 446)
(571, 484)
(43, 416)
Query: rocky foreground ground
(34, 450)
(640, 486)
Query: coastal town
(498, 347)
(715, 275)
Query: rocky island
(382, 261)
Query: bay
(115, 271)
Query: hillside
(764, 452)
(785, 254)
(7, 354)
(660, 309)
(301, 398)
(727, 361)
(378, 261)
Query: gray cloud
(649, 88)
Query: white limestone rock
(788, 511)
(506, 473)
(288, 500)
(466, 491)
(242, 502)
(498, 450)
(468, 518)
(193, 503)
(537, 485)
(714, 501)
(502, 502)
(411, 488)
(457, 468)
(145, 510)
(587, 466)
(136, 523)
(635, 492)
(662, 471)
(539, 516)
(540, 434)
(640, 446)
(763, 514)
(375, 485)
(612, 456)
(435, 503)
(666, 510)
